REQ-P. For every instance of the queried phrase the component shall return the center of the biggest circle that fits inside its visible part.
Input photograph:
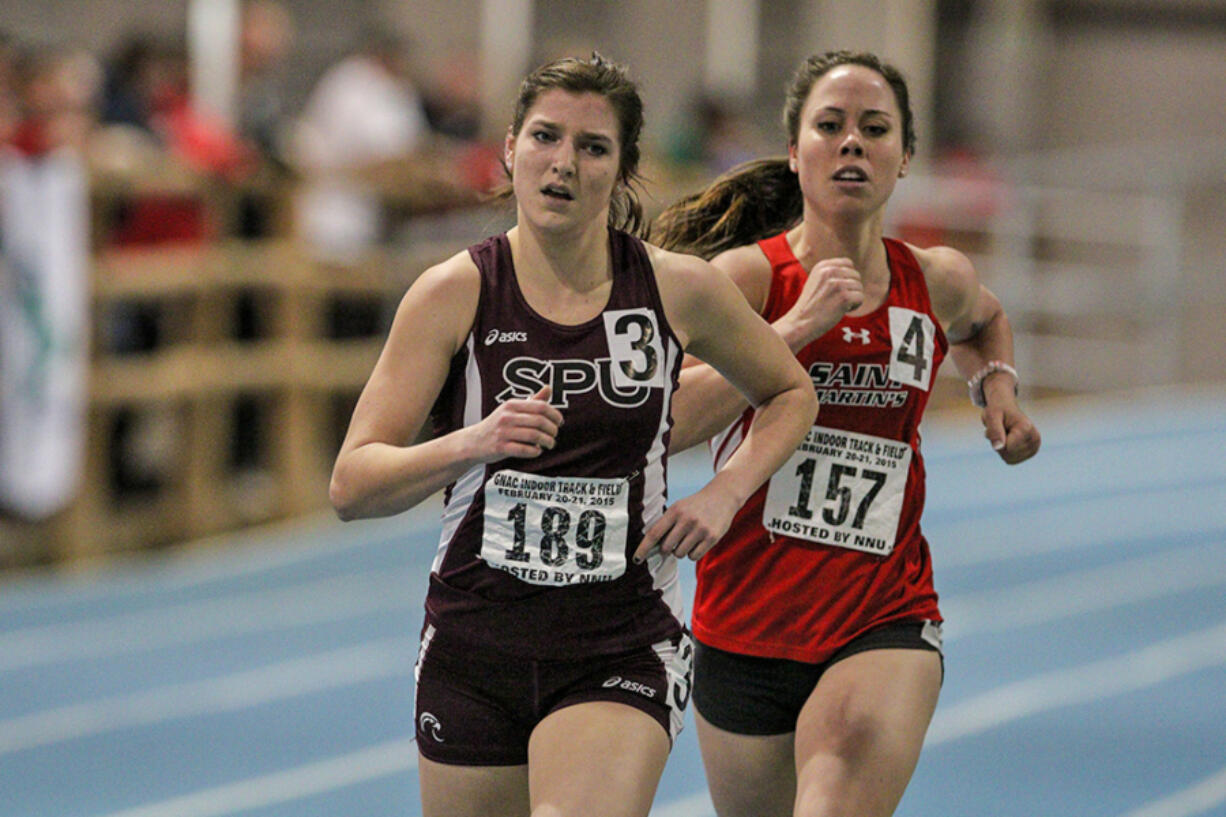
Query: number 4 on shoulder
(913, 346)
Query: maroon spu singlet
(831, 546)
(535, 554)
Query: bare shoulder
(679, 276)
(443, 300)
(745, 266)
(944, 266)
(669, 264)
(952, 281)
(750, 270)
(690, 288)
(457, 276)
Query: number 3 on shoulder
(635, 347)
(913, 342)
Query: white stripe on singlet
(466, 487)
(655, 487)
(426, 638)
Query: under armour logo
(849, 335)
(427, 723)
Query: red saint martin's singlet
(534, 556)
(831, 546)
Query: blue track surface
(270, 674)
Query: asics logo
(629, 686)
(849, 335)
(495, 336)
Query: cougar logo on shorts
(429, 725)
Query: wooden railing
(295, 370)
(188, 382)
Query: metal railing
(1092, 278)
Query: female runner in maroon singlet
(554, 661)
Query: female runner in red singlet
(818, 658)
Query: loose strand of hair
(750, 202)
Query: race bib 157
(840, 488)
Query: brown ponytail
(752, 201)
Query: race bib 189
(556, 531)
(840, 488)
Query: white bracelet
(975, 384)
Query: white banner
(44, 321)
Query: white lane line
(1083, 684)
(255, 610)
(335, 599)
(1141, 579)
(228, 693)
(371, 763)
(252, 552)
(1044, 600)
(1036, 530)
(215, 559)
(1196, 799)
(382, 760)
(1079, 475)
(1091, 419)
(1133, 671)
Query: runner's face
(565, 159)
(849, 150)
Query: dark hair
(750, 202)
(761, 198)
(611, 81)
(817, 66)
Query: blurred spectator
(154, 133)
(173, 150)
(127, 146)
(265, 38)
(453, 99)
(134, 75)
(147, 87)
(715, 136)
(204, 140)
(10, 103)
(56, 98)
(453, 109)
(365, 110)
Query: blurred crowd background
(208, 208)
